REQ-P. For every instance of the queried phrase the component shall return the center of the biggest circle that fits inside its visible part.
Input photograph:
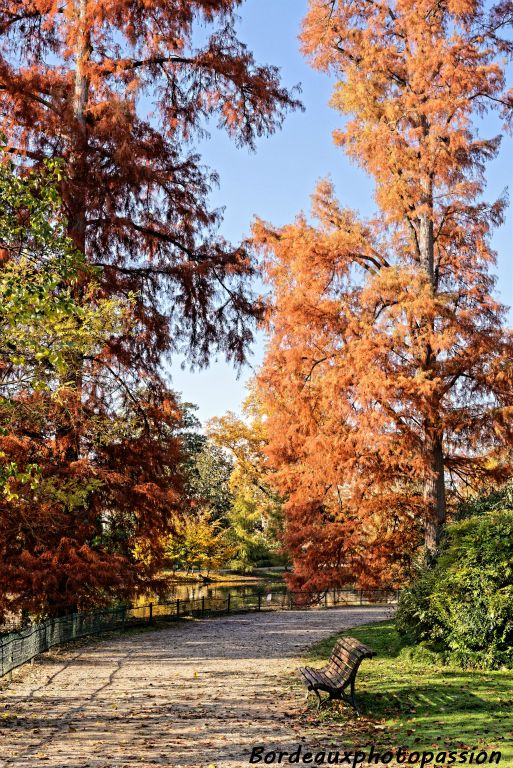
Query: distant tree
(206, 467)
(255, 518)
(247, 533)
(210, 481)
(198, 543)
(388, 378)
(191, 435)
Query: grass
(421, 704)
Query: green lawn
(420, 704)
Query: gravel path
(197, 694)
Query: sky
(275, 182)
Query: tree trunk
(434, 495)
(427, 244)
(79, 159)
(68, 433)
(434, 484)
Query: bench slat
(319, 679)
(343, 664)
(342, 670)
(352, 645)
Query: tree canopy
(388, 376)
(57, 528)
(120, 93)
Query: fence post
(203, 605)
(259, 602)
(326, 599)
(228, 603)
(178, 606)
(361, 597)
(150, 620)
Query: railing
(21, 646)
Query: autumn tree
(120, 92)
(198, 542)
(388, 376)
(255, 515)
(58, 530)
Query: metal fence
(21, 646)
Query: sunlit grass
(421, 704)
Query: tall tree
(255, 518)
(120, 91)
(388, 375)
(59, 521)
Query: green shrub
(498, 500)
(464, 604)
(423, 653)
(415, 617)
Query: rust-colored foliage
(68, 530)
(388, 377)
(118, 90)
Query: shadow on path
(196, 694)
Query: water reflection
(195, 591)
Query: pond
(273, 592)
(197, 590)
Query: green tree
(255, 518)
(207, 468)
(211, 479)
(198, 543)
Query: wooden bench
(340, 672)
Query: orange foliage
(119, 90)
(388, 375)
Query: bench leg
(353, 700)
(319, 699)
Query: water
(195, 591)
(275, 588)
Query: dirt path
(196, 694)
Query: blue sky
(276, 181)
